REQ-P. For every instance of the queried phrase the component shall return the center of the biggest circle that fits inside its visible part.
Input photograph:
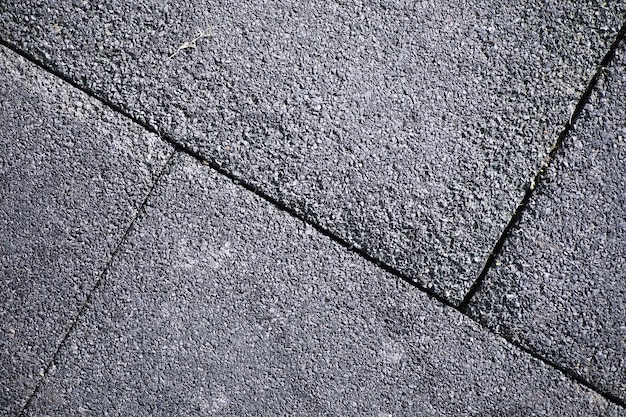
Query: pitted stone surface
(218, 303)
(409, 129)
(72, 174)
(559, 285)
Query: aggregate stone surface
(559, 285)
(219, 303)
(409, 129)
(72, 174)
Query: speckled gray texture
(72, 174)
(559, 285)
(218, 303)
(409, 129)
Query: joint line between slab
(87, 302)
(221, 170)
(567, 372)
(514, 220)
(281, 206)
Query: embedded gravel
(72, 174)
(408, 129)
(219, 303)
(559, 285)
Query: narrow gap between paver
(221, 170)
(462, 307)
(83, 307)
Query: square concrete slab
(219, 303)
(72, 175)
(408, 129)
(559, 285)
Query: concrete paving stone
(219, 303)
(559, 285)
(409, 129)
(72, 174)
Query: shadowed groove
(536, 182)
(462, 307)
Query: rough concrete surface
(72, 174)
(220, 304)
(559, 285)
(409, 129)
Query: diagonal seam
(87, 302)
(236, 180)
(539, 177)
(462, 307)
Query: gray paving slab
(559, 285)
(219, 303)
(409, 129)
(72, 174)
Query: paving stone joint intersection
(462, 307)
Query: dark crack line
(539, 177)
(223, 171)
(567, 372)
(87, 302)
(462, 307)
